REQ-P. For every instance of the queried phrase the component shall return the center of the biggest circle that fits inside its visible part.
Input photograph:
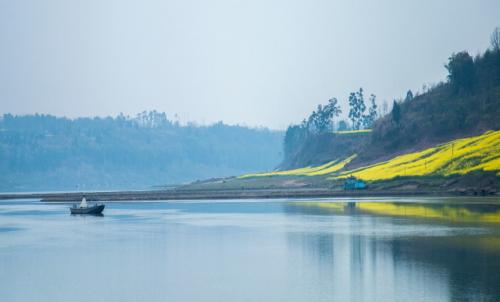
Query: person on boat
(83, 204)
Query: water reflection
(344, 250)
(451, 252)
(450, 212)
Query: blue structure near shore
(353, 183)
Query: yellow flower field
(328, 168)
(460, 156)
(456, 157)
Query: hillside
(457, 157)
(446, 138)
(49, 153)
(467, 166)
(467, 104)
(462, 156)
(318, 149)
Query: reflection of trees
(473, 271)
(323, 246)
(467, 266)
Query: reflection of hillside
(358, 267)
(350, 267)
(317, 208)
(471, 262)
(348, 248)
(459, 213)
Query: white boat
(85, 208)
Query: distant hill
(41, 152)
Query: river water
(380, 249)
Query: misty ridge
(44, 152)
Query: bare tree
(495, 39)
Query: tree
(461, 71)
(320, 121)
(396, 112)
(409, 96)
(369, 119)
(495, 39)
(312, 121)
(357, 108)
(333, 108)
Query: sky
(255, 63)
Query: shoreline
(176, 194)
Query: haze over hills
(41, 152)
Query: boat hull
(94, 210)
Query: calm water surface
(382, 249)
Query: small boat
(85, 208)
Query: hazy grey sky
(250, 62)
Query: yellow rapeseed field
(300, 171)
(327, 168)
(456, 157)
